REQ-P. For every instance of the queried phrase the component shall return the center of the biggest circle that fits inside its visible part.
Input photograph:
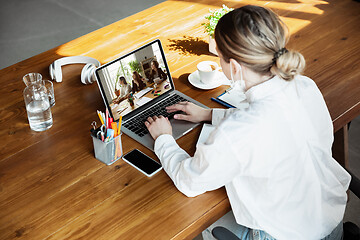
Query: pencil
(116, 149)
(120, 111)
(101, 120)
(114, 126)
(119, 127)
(107, 119)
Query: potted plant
(213, 18)
(135, 66)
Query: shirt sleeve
(209, 168)
(219, 114)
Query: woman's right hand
(193, 113)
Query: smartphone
(142, 162)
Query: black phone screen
(141, 161)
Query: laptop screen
(134, 79)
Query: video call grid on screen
(117, 94)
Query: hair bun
(287, 64)
(278, 54)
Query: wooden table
(52, 187)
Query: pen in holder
(107, 152)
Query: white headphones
(87, 73)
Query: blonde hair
(256, 37)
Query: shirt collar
(265, 89)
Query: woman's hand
(193, 113)
(158, 126)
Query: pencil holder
(108, 152)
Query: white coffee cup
(207, 71)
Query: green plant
(213, 18)
(135, 66)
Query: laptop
(147, 95)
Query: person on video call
(125, 90)
(138, 82)
(274, 158)
(156, 72)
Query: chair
(351, 230)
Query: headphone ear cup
(86, 73)
(92, 77)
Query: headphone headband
(87, 73)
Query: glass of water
(38, 106)
(32, 78)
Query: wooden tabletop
(52, 187)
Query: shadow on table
(190, 46)
(184, 79)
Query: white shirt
(274, 159)
(124, 90)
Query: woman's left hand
(158, 126)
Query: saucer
(219, 79)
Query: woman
(156, 72)
(137, 83)
(274, 158)
(125, 90)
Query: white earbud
(87, 73)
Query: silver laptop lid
(130, 83)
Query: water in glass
(38, 107)
(39, 115)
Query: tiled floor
(31, 27)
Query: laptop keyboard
(137, 125)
